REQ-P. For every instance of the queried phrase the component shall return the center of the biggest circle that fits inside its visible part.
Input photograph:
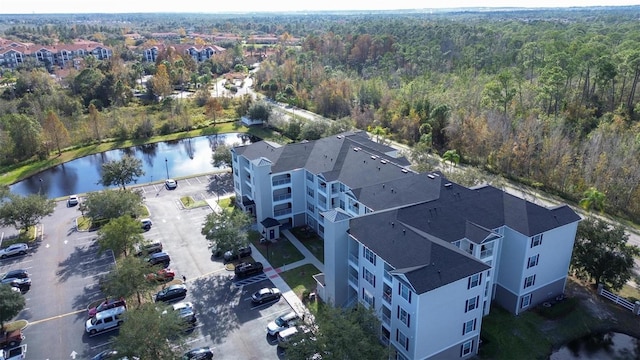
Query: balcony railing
(281, 181)
(386, 319)
(353, 258)
(282, 212)
(281, 197)
(388, 277)
(353, 279)
(386, 297)
(486, 253)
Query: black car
(106, 354)
(238, 254)
(200, 353)
(171, 293)
(148, 249)
(17, 278)
(248, 269)
(159, 258)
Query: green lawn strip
(311, 241)
(300, 279)
(15, 325)
(281, 252)
(189, 203)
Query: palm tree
(452, 157)
(593, 199)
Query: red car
(106, 305)
(161, 275)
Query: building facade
(429, 255)
(13, 53)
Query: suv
(282, 322)
(15, 249)
(105, 320)
(106, 305)
(186, 313)
(148, 249)
(240, 253)
(159, 258)
(17, 278)
(146, 224)
(247, 269)
(16, 353)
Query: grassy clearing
(189, 203)
(300, 279)
(311, 241)
(280, 253)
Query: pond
(162, 160)
(607, 346)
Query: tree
(221, 156)
(452, 157)
(213, 108)
(128, 279)
(120, 235)
(350, 333)
(160, 83)
(121, 172)
(94, 118)
(227, 230)
(593, 199)
(24, 212)
(11, 303)
(55, 131)
(144, 332)
(109, 204)
(601, 253)
(25, 134)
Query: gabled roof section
(478, 234)
(400, 192)
(336, 215)
(426, 262)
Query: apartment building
(13, 53)
(429, 255)
(198, 53)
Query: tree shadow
(220, 184)
(85, 262)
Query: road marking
(97, 275)
(55, 317)
(199, 180)
(18, 263)
(73, 354)
(101, 345)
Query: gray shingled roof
(399, 192)
(428, 263)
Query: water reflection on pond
(600, 346)
(159, 160)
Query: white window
(469, 326)
(472, 304)
(402, 339)
(467, 348)
(525, 301)
(529, 281)
(404, 291)
(369, 255)
(404, 316)
(310, 191)
(474, 280)
(368, 298)
(367, 275)
(536, 240)
(533, 261)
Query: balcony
(279, 182)
(354, 259)
(386, 296)
(486, 253)
(388, 277)
(282, 212)
(281, 197)
(353, 280)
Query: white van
(105, 320)
(285, 336)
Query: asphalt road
(65, 268)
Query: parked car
(159, 258)
(15, 249)
(238, 254)
(10, 338)
(294, 335)
(186, 312)
(247, 269)
(265, 295)
(170, 184)
(17, 278)
(171, 293)
(106, 305)
(201, 353)
(73, 200)
(105, 320)
(161, 275)
(282, 322)
(146, 223)
(16, 353)
(147, 248)
(106, 354)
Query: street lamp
(218, 187)
(40, 191)
(166, 165)
(266, 242)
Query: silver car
(15, 249)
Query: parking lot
(65, 268)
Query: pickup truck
(16, 353)
(10, 338)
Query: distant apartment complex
(13, 53)
(198, 53)
(427, 254)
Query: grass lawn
(15, 325)
(27, 237)
(281, 252)
(300, 279)
(311, 241)
(225, 203)
(189, 203)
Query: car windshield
(280, 322)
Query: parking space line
(19, 263)
(199, 180)
(188, 183)
(98, 274)
(101, 345)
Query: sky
(210, 6)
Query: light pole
(40, 191)
(166, 165)
(266, 242)
(217, 187)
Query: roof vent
(383, 161)
(404, 171)
(447, 185)
(431, 176)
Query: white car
(73, 200)
(15, 249)
(171, 184)
(282, 322)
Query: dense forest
(544, 96)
